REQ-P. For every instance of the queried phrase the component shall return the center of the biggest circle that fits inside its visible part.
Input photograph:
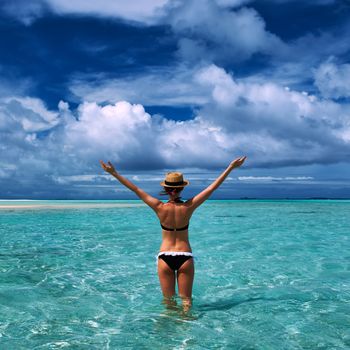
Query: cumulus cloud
(333, 80)
(217, 33)
(127, 134)
(122, 132)
(274, 126)
(73, 143)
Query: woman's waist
(181, 246)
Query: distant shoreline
(68, 204)
(20, 204)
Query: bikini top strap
(177, 200)
(175, 229)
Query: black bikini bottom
(175, 259)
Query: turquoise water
(269, 275)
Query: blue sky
(174, 85)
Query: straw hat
(174, 179)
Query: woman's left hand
(238, 162)
(109, 168)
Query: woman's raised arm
(154, 203)
(197, 200)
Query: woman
(175, 259)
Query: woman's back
(174, 216)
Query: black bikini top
(177, 200)
(175, 229)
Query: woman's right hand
(238, 162)
(109, 168)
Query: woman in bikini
(175, 259)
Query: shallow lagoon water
(270, 274)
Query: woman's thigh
(166, 278)
(185, 277)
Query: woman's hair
(168, 190)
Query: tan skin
(173, 214)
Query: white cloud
(211, 32)
(274, 178)
(31, 113)
(21, 118)
(142, 11)
(294, 62)
(274, 124)
(224, 90)
(120, 131)
(123, 133)
(146, 11)
(80, 178)
(333, 80)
